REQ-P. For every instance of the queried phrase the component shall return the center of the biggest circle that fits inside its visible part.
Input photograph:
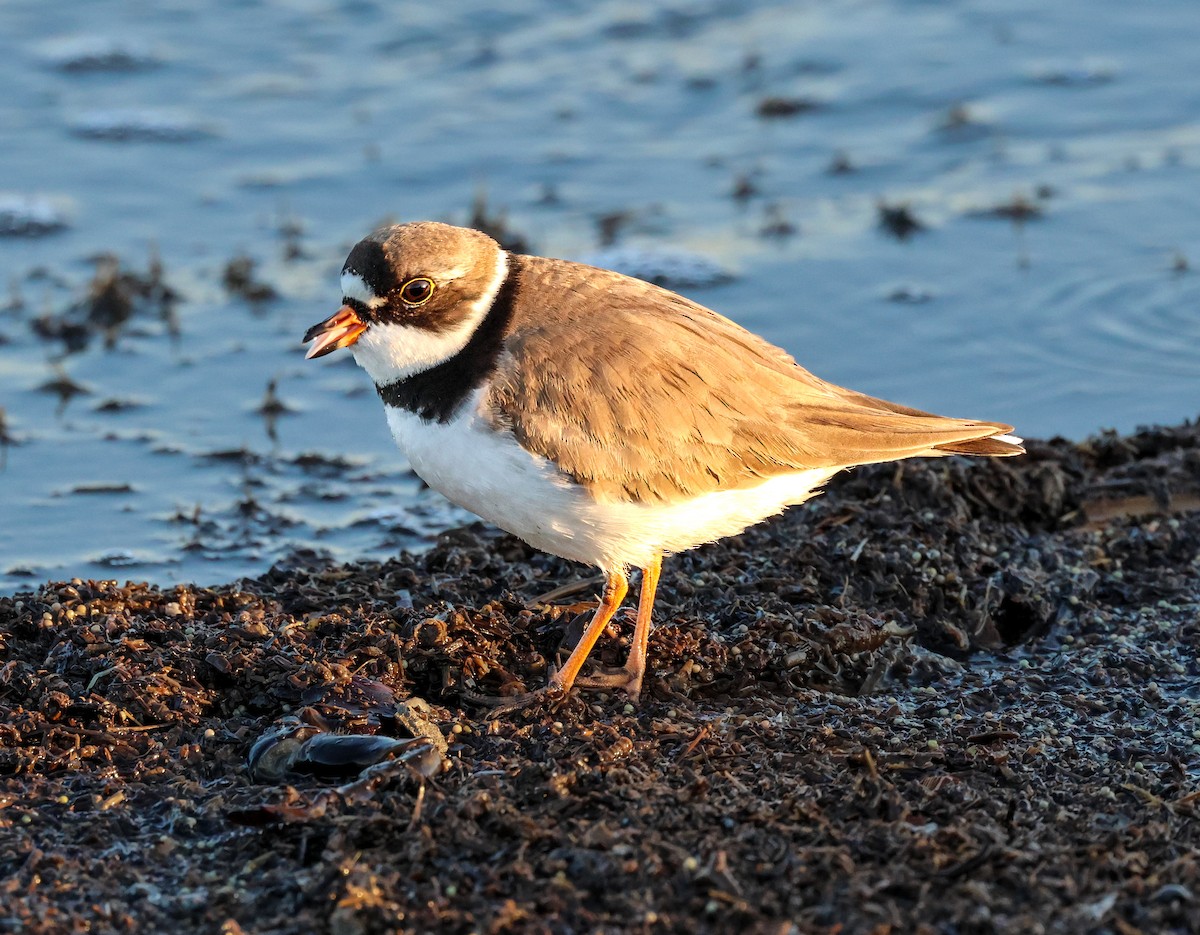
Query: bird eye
(416, 291)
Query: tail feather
(990, 446)
(993, 439)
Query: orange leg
(615, 588)
(636, 666)
(630, 677)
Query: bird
(598, 417)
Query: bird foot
(628, 680)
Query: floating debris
(114, 296)
(961, 123)
(610, 225)
(910, 294)
(63, 387)
(1087, 75)
(238, 279)
(110, 300)
(495, 225)
(243, 456)
(775, 107)
(665, 266)
(1018, 209)
(29, 215)
(841, 164)
(243, 528)
(117, 404)
(775, 223)
(291, 231)
(99, 53)
(271, 404)
(73, 334)
(271, 408)
(899, 220)
(118, 558)
(743, 188)
(101, 488)
(324, 465)
(130, 125)
(393, 517)
(7, 439)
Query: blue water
(260, 118)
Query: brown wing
(640, 394)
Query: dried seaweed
(945, 696)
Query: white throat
(389, 351)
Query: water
(275, 128)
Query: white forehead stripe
(355, 287)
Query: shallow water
(206, 131)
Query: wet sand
(946, 696)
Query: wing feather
(640, 394)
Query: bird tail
(990, 446)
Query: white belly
(491, 475)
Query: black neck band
(438, 393)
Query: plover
(598, 417)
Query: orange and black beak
(341, 329)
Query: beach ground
(946, 696)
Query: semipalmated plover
(598, 417)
